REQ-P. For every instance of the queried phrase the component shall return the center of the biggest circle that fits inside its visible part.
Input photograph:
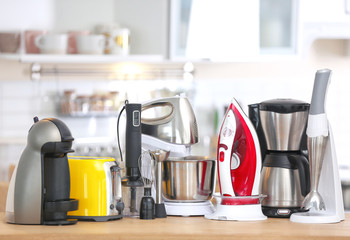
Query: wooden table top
(178, 228)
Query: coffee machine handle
(304, 175)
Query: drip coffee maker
(285, 173)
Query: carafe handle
(304, 175)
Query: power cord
(120, 150)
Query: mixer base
(249, 212)
(186, 209)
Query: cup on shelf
(9, 42)
(91, 44)
(72, 41)
(119, 42)
(52, 43)
(29, 38)
(106, 29)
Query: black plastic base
(55, 212)
(60, 222)
(147, 208)
(282, 212)
(97, 218)
(129, 183)
(160, 210)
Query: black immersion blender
(133, 180)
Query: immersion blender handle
(133, 140)
(317, 123)
(322, 80)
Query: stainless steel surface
(159, 183)
(283, 131)
(189, 179)
(113, 186)
(147, 167)
(159, 155)
(282, 187)
(346, 194)
(317, 146)
(128, 192)
(171, 120)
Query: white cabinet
(214, 29)
(225, 30)
(233, 30)
(147, 20)
(284, 27)
(327, 19)
(330, 11)
(278, 27)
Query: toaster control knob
(111, 206)
(120, 206)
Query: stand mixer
(169, 124)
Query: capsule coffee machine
(40, 185)
(285, 173)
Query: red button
(221, 156)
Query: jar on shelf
(114, 97)
(107, 104)
(96, 103)
(83, 105)
(68, 102)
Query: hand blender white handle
(317, 122)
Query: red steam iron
(239, 165)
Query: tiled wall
(21, 100)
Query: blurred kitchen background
(208, 50)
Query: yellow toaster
(96, 183)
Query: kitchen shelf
(38, 69)
(91, 115)
(79, 58)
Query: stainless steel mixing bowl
(188, 179)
